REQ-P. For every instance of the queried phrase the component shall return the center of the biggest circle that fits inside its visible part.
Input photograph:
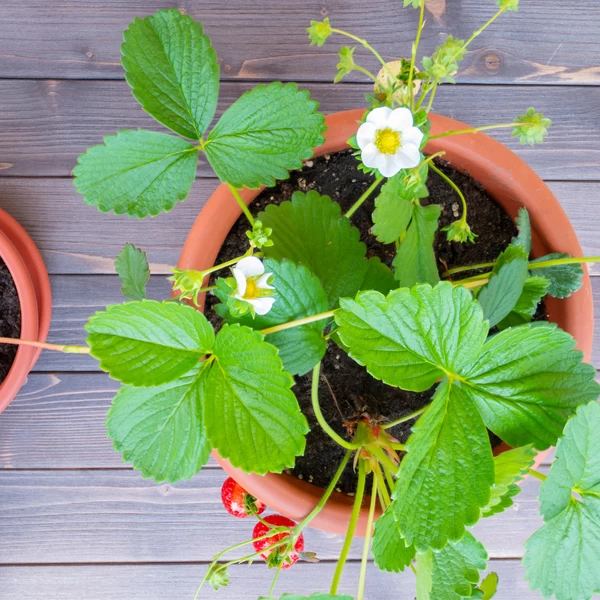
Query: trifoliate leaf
(379, 277)
(451, 573)
(132, 268)
(488, 586)
(393, 211)
(319, 31)
(139, 173)
(443, 63)
(413, 3)
(250, 413)
(508, 4)
(534, 289)
(533, 126)
(317, 596)
(523, 238)
(415, 336)
(500, 295)
(415, 261)
(172, 71)
(562, 558)
(264, 134)
(527, 382)
(564, 279)
(346, 64)
(160, 429)
(389, 549)
(444, 479)
(298, 294)
(149, 343)
(310, 230)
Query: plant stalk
(45, 346)
(476, 129)
(368, 534)
(298, 322)
(242, 204)
(364, 197)
(409, 417)
(537, 474)
(455, 188)
(413, 58)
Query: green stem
(360, 201)
(474, 278)
(455, 188)
(384, 459)
(537, 474)
(414, 57)
(365, 71)
(360, 492)
(409, 417)
(483, 27)
(468, 268)
(368, 534)
(272, 589)
(425, 87)
(389, 477)
(476, 129)
(46, 346)
(320, 418)
(384, 496)
(298, 322)
(430, 158)
(242, 204)
(470, 284)
(362, 43)
(434, 88)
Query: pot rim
(511, 182)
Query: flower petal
(379, 116)
(413, 135)
(250, 266)
(408, 156)
(389, 166)
(365, 134)
(263, 282)
(262, 305)
(240, 279)
(369, 155)
(401, 119)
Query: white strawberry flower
(253, 284)
(388, 140)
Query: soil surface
(10, 319)
(346, 390)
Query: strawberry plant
(303, 283)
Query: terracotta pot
(29, 273)
(509, 180)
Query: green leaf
(489, 585)
(562, 558)
(415, 336)
(160, 429)
(445, 477)
(310, 230)
(505, 502)
(379, 277)
(298, 294)
(389, 548)
(393, 211)
(528, 381)
(415, 261)
(523, 239)
(534, 290)
(500, 295)
(453, 572)
(564, 279)
(137, 172)
(172, 71)
(264, 134)
(250, 413)
(132, 268)
(149, 343)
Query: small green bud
(444, 61)
(259, 236)
(188, 283)
(319, 31)
(346, 64)
(512, 5)
(534, 127)
(414, 3)
(459, 231)
(217, 576)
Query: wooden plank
(79, 516)
(165, 582)
(49, 208)
(546, 41)
(46, 124)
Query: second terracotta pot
(508, 179)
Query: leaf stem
(320, 418)
(360, 201)
(365, 71)
(368, 534)
(384, 497)
(455, 188)
(413, 58)
(409, 417)
(298, 322)
(476, 129)
(46, 346)
(362, 42)
(537, 474)
(242, 204)
(360, 492)
(482, 28)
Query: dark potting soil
(10, 319)
(346, 390)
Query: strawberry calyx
(276, 550)
(238, 502)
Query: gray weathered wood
(46, 124)
(79, 516)
(179, 582)
(546, 41)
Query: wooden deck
(75, 523)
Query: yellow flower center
(252, 289)
(387, 141)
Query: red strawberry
(277, 556)
(238, 502)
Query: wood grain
(179, 582)
(82, 516)
(46, 124)
(546, 41)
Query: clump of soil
(346, 390)
(10, 319)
